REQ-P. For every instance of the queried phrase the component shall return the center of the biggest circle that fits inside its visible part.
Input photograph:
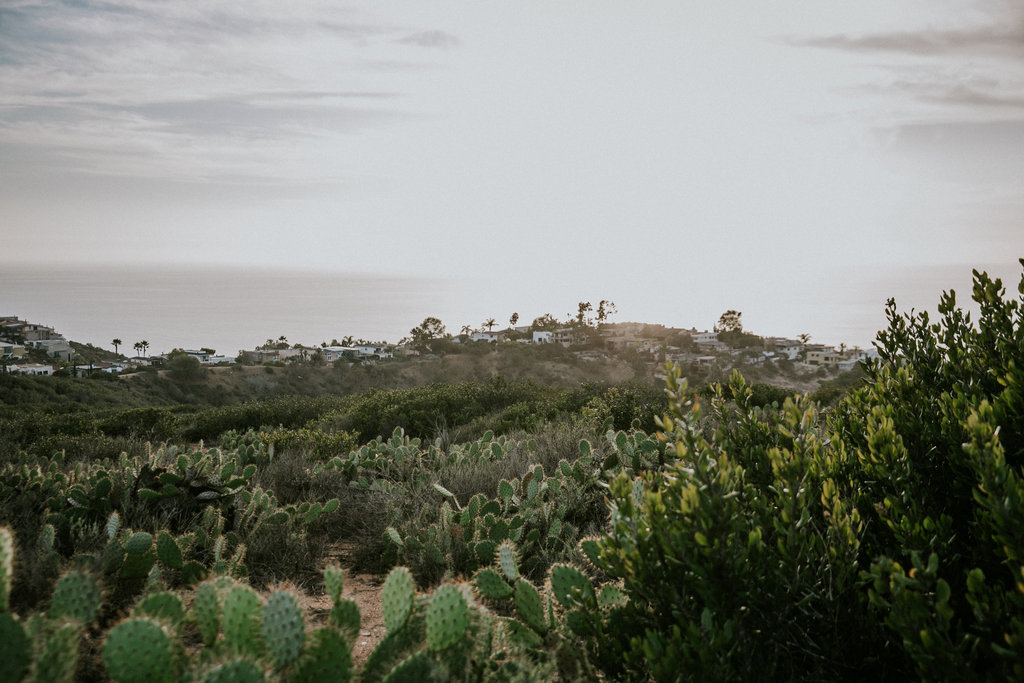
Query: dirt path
(364, 590)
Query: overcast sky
(605, 149)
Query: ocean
(233, 308)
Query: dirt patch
(364, 590)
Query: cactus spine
(77, 597)
(138, 650)
(447, 617)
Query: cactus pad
(137, 565)
(345, 616)
(326, 659)
(59, 657)
(447, 617)
(492, 586)
(14, 648)
(529, 606)
(168, 551)
(611, 595)
(76, 596)
(507, 561)
(138, 650)
(237, 671)
(592, 549)
(414, 669)
(397, 598)
(570, 586)
(241, 616)
(333, 582)
(206, 611)
(138, 543)
(284, 629)
(164, 606)
(113, 526)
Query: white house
(333, 353)
(32, 369)
(542, 336)
(486, 336)
(704, 337)
(101, 366)
(373, 351)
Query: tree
(582, 319)
(116, 343)
(729, 322)
(489, 324)
(138, 348)
(431, 328)
(545, 322)
(184, 367)
(144, 345)
(513, 319)
(605, 309)
(803, 337)
(466, 331)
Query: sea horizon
(233, 308)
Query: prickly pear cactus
(235, 671)
(14, 648)
(507, 561)
(492, 586)
(326, 659)
(164, 606)
(345, 616)
(283, 628)
(397, 598)
(206, 611)
(415, 669)
(570, 586)
(168, 551)
(529, 606)
(6, 567)
(76, 596)
(242, 625)
(138, 543)
(447, 617)
(138, 650)
(59, 657)
(333, 582)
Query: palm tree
(513, 320)
(489, 323)
(138, 348)
(467, 330)
(116, 343)
(145, 345)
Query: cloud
(1000, 40)
(435, 39)
(185, 90)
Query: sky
(675, 156)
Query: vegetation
(528, 532)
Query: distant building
(32, 369)
(542, 336)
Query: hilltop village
(37, 349)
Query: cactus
(76, 596)
(14, 648)
(447, 617)
(235, 671)
(283, 628)
(138, 543)
(241, 617)
(570, 586)
(333, 582)
(168, 551)
(165, 606)
(415, 669)
(326, 659)
(529, 606)
(206, 611)
(59, 658)
(397, 598)
(345, 616)
(113, 526)
(6, 567)
(138, 649)
(610, 596)
(507, 561)
(492, 586)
